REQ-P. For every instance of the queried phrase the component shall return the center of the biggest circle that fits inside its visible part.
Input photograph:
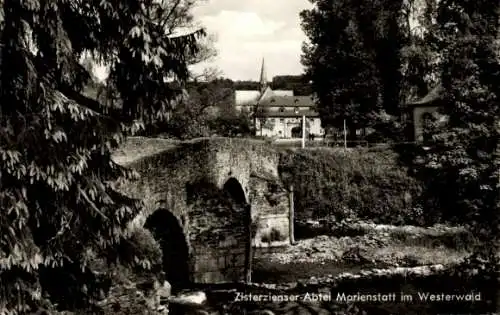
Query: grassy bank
(362, 183)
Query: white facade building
(279, 113)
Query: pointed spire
(263, 76)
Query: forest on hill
(298, 83)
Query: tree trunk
(292, 215)
(249, 245)
(255, 123)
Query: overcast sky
(249, 30)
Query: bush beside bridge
(363, 183)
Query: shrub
(333, 183)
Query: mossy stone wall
(188, 180)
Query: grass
(340, 184)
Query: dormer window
(282, 109)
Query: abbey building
(278, 113)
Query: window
(282, 120)
(426, 120)
(282, 109)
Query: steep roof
(283, 92)
(289, 114)
(289, 101)
(243, 97)
(267, 93)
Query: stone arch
(235, 191)
(242, 258)
(168, 232)
(237, 194)
(191, 180)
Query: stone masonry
(207, 184)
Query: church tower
(263, 77)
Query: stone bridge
(199, 199)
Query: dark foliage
(59, 210)
(358, 184)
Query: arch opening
(235, 192)
(175, 253)
(236, 195)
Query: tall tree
(175, 18)
(369, 64)
(420, 52)
(462, 161)
(342, 69)
(56, 173)
(203, 103)
(380, 26)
